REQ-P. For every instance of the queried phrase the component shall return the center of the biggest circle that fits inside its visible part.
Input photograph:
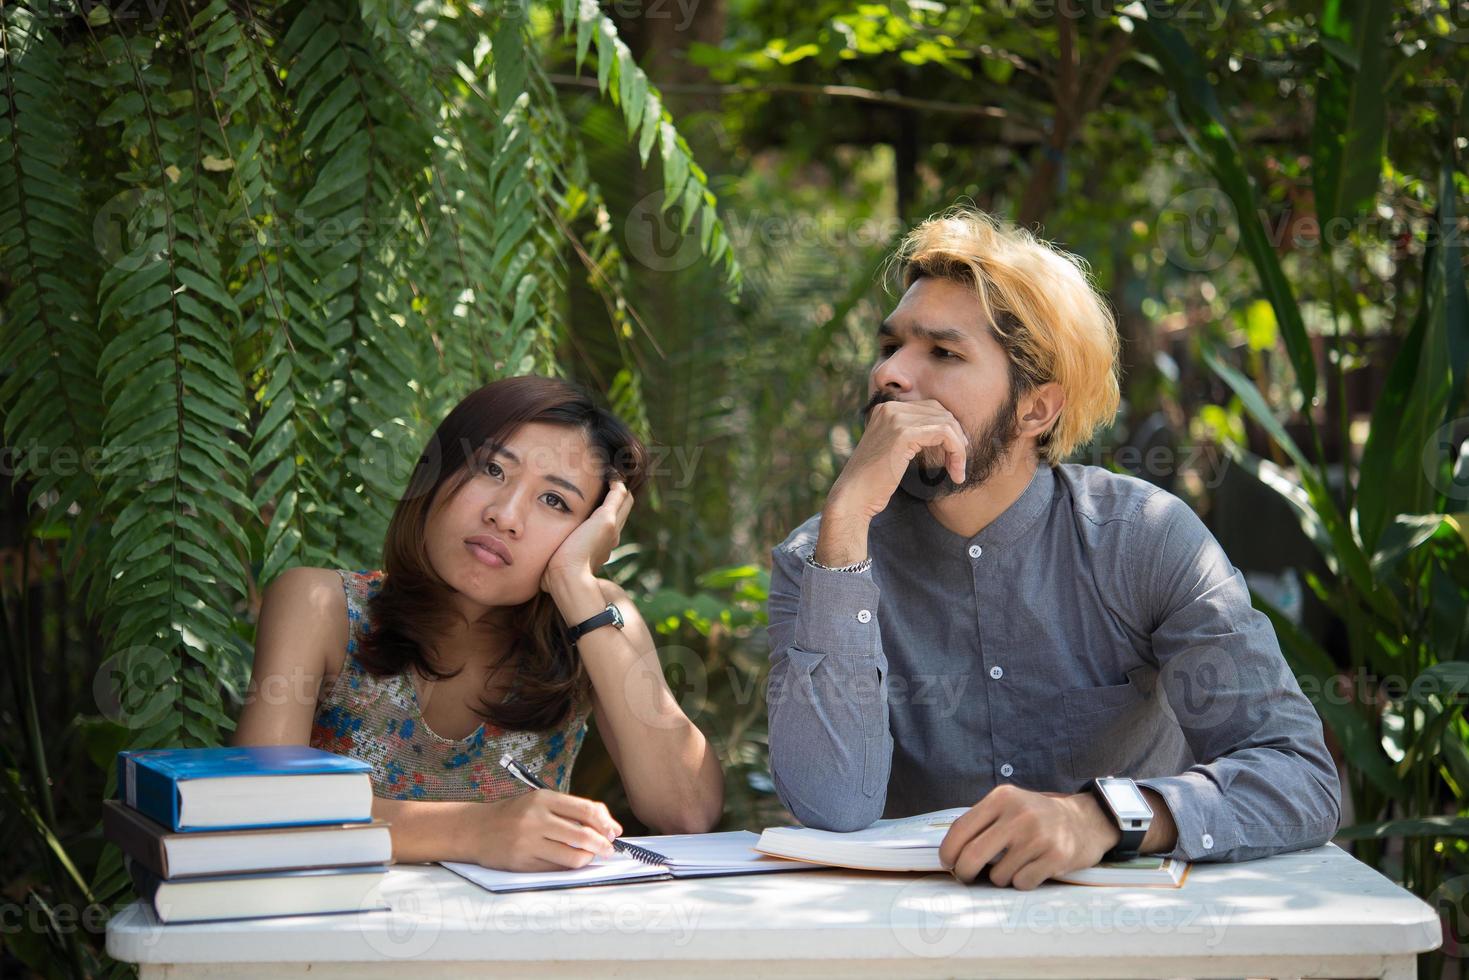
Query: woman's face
(492, 539)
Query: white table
(1308, 914)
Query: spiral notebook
(685, 856)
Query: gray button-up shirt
(1094, 628)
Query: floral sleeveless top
(378, 720)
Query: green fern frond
(573, 203)
(684, 182)
(370, 159)
(321, 224)
(174, 399)
(49, 349)
(280, 312)
(430, 61)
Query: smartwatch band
(1128, 847)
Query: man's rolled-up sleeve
(1264, 781)
(830, 750)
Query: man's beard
(928, 478)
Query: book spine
(145, 883)
(148, 791)
(158, 797)
(143, 847)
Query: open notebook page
(732, 852)
(689, 855)
(600, 871)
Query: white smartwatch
(1124, 802)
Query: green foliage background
(253, 254)
(250, 253)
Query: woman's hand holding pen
(543, 830)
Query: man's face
(937, 345)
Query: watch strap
(607, 617)
(1128, 847)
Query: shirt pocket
(872, 764)
(1110, 730)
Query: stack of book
(237, 833)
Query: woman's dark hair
(413, 606)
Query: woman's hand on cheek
(587, 548)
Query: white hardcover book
(912, 844)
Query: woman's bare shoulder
(311, 605)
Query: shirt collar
(1008, 527)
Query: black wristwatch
(1125, 804)
(609, 616)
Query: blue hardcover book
(239, 788)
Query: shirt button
(1208, 842)
(864, 616)
(1007, 770)
(975, 551)
(997, 673)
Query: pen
(520, 772)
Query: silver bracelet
(856, 567)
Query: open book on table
(687, 856)
(912, 844)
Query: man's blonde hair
(1042, 307)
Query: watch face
(1126, 799)
(616, 616)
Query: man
(969, 622)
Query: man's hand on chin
(1041, 834)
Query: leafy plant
(251, 254)
(1393, 532)
(721, 684)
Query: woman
(462, 648)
